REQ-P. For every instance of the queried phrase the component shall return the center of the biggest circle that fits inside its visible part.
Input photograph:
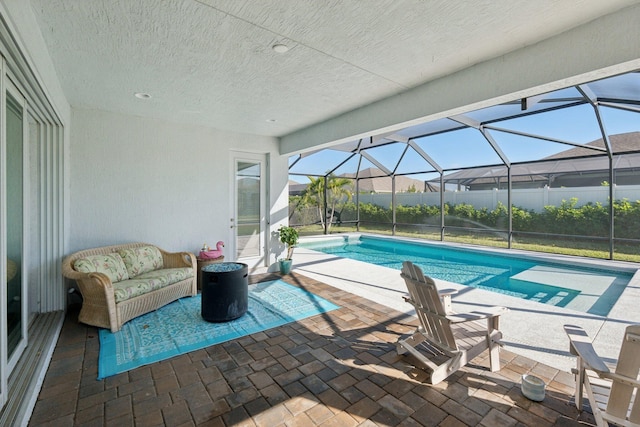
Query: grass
(563, 245)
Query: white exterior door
(248, 223)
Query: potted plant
(288, 236)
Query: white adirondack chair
(613, 396)
(445, 341)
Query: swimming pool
(582, 288)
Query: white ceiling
(210, 62)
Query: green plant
(338, 193)
(288, 236)
(565, 228)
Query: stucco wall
(141, 179)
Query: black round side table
(201, 262)
(225, 291)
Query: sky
(467, 147)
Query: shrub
(591, 219)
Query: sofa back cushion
(110, 264)
(141, 260)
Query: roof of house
(620, 143)
(373, 180)
(573, 160)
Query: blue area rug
(178, 328)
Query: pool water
(593, 291)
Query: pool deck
(338, 368)
(531, 329)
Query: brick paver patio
(335, 369)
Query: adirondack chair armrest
(581, 345)
(486, 313)
(447, 292)
(445, 296)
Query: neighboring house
(296, 188)
(372, 180)
(576, 167)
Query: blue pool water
(589, 290)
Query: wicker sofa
(121, 282)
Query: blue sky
(467, 147)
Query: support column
(509, 212)
(442, 206)
(357, 204)
(393, 205)
(611, 208)
(326, 226)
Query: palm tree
(337, 189)
(313, 195)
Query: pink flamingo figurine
(211, 254)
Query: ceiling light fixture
(280, 48)
(142, 95)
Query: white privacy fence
(527, 198)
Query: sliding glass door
(32, 194)
(15, 314)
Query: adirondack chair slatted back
(429, 307)
(628, 366)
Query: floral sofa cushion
(141, 260)
(110, 264)
(148, 282)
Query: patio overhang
(601, 48)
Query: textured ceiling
(210, 62)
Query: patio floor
(335, 369)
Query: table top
(223, 267)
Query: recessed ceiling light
(142, 95)
(280, 48)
